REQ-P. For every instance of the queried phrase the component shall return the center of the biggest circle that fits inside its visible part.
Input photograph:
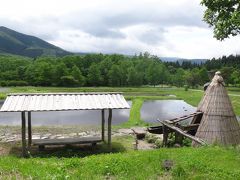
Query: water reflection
(164, 109)
(83, 117)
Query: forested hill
(12, 42)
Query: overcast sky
(172, 28)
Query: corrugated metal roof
(63, 102)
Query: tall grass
(188, 163)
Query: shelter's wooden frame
(173, 126)
(41, 143)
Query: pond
(90, 117)
(164, 109)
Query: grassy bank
(189, 163)
(135, 115)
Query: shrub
(13, 83)
(186, 87)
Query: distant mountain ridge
(180, 60)
(13, 42)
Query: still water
(89, 117)
(164, 109)
(150, 112)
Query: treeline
(228, 65)
(99, 70)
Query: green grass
(189, 163)
(2, 95)
(135, 114)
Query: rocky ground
(13, 134)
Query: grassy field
(189, 163)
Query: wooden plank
(183, 118)
(158, 129)
(155, 129)
(29, 130)
(24, 150)
(83, 140)
(197, 119)
(103, 125)
(109, 128)
(176, 129)
(190, 127)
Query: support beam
(103, 125)
(109, 128)
(165, 135)
(24, 150)
(29, 130)
(180, 131)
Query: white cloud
(164, 28)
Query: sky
(166, 28)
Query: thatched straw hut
(218, 124)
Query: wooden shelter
(37, 102)
(219, 123)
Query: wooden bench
(66, 141)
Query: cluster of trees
(197, 74)
(88, 70)
(112, 70)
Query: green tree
(226, 74)
(153, 73)
(134, 78)
(94, 75)
(60, 71)
(235, 76)
(192, 77)
(224, 16)
(40, 74)
(77, 75)
(178, 78)
(115, 76)
(68, 81)
(203, 74)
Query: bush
(3, 83)
(13, 83)
(68, 81)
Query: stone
(139, 132)
(82, 134)
(125, 131)
(167, 164)
(35, 136)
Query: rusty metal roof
(63, 102)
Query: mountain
(180, 60)
(12, 42)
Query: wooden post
(24, 150)
(178, 138)
(103, 125)
(29, 130)
(165, 135)
(109, 128)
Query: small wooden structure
(34, 102)
(174, 126)
(219, 124)
(214, 121)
